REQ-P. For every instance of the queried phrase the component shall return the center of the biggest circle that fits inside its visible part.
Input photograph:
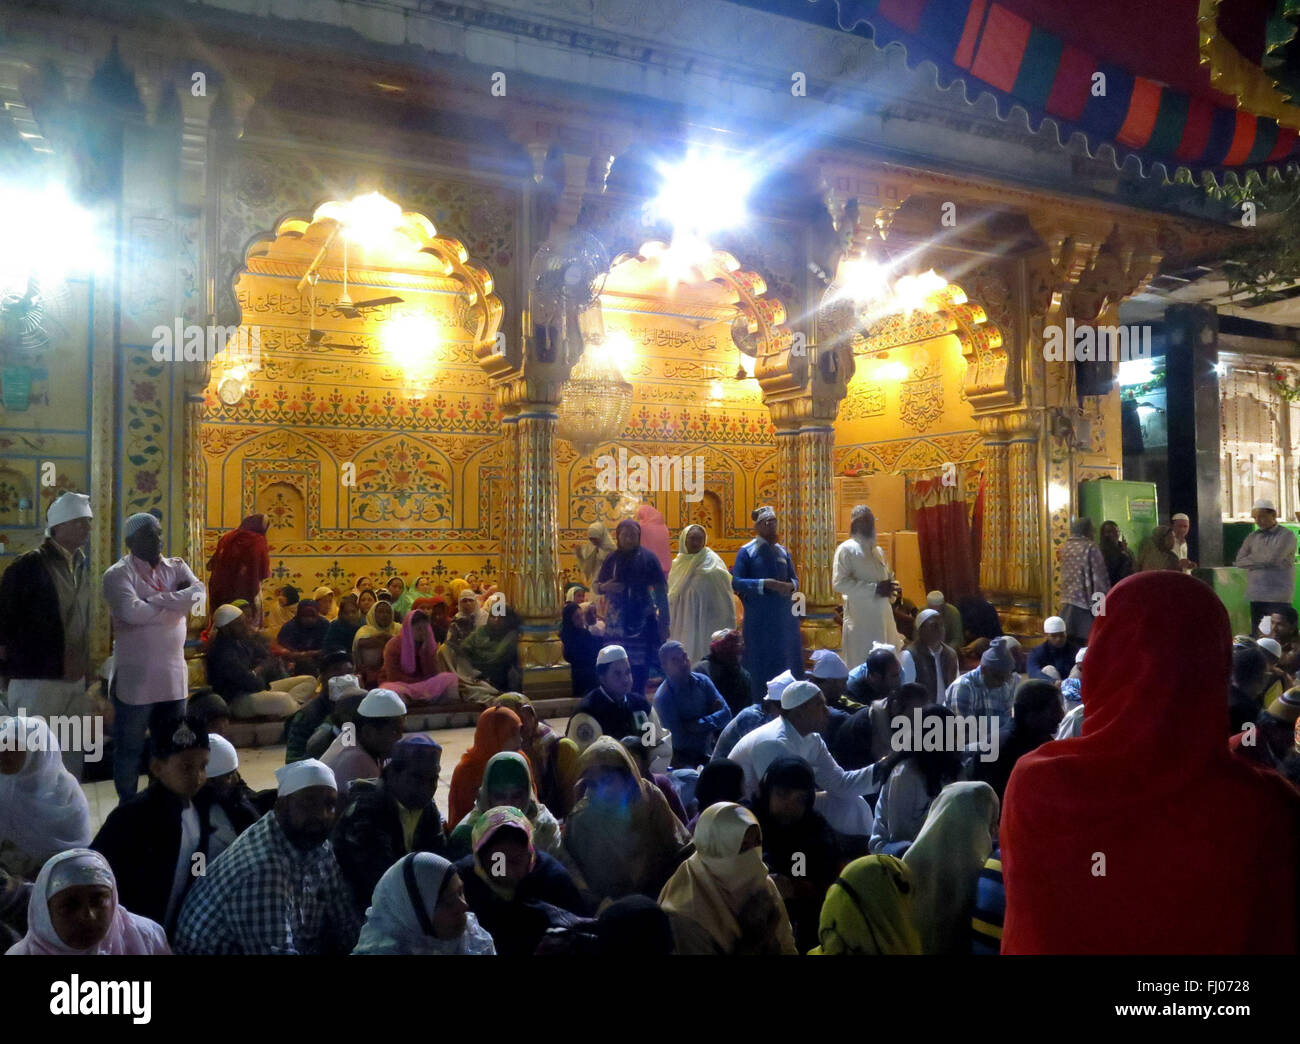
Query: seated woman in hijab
(720, 781)
(507, 781)
(493, 649)
(621, 837)
(419, 909)
(410, 666)
(517, 892)
(497, 729)
(914, 783)
(554, 758)
(74, 912)
(371, 640)
(581, 647)
(799, 846)
(301, 640)
(43, 810)
(439, 615)
(946, 860)
(365, 602)
(868, 911)
(721, 900)
(402, 597)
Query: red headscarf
(240, 563)
(494, 728)
(1200, 848)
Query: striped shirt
(990, 908)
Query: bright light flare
(705, 192)
(1136, 371)
(617, 350)
(45, 235)
(370, 220)
(1058, 497)
(891, 371)
(410, 341)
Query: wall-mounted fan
(566, 278)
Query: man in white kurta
(841, 793)
(866, 583)
(699, 594)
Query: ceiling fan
(353, 309)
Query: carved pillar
(816, 513)
(787, 489)
(1023, 574)
(993, 540)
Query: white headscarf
(393, 924)
(946, 859)
(42, 808)
(127, 934)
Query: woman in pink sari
(74, 912)
(654, 535)
(411, 663)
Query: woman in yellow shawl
(721, 900)
(699, 594)
(868, 911)
(621, 837)
(369, 641)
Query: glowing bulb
(370, 219)
(410, 339)
(47, 236)
(862, 279)
(1058, 497)
(891, 371)
(617, 350)
(685, 254)
(1219, 370)
(716, 392)
(704, 192)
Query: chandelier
(596, 400)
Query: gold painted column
(993, 537)
(787, 491)
(1023, 569)
(816, 514)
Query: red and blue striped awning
(1160, 100)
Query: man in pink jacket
(151, 599)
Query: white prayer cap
(777, 685)
(1053, 625)
(344, 685)
(927, 614)
(1012, 642)
(934, 599)
(1180, 517)
(1271, 646)
(798, 693)
(609, 654)
(66, 508)
(137, 522)
(225, 614)
(303, 774)
(716, 635)
(1051, 672)
(877, 646)
(1263, 504)
(382, 703)
(1078, 657)
(827, 664)
(222, 757)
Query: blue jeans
(130, 723)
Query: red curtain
(944, 534)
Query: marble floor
(258, 764)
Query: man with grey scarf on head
(1084, 580)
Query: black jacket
(540, 903)
(141, 840)
(368, 837)
(31, 625)
(232, 664)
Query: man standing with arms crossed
(1268, 556)
(151, 599)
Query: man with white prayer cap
(863, 578)
(45, 621)
(753, 716)
(928, 660)
(1057, 650)
(618, 710)
(1181, 526)
(152, 600)
(1268, 556)
(953, 631)
(359, 752)
(796, 733)
(278, 888)
(229, 804)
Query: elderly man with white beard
(866, 582)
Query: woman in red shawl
(239, 565)
(410, 666)
(498, 729)
(1144, 834)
